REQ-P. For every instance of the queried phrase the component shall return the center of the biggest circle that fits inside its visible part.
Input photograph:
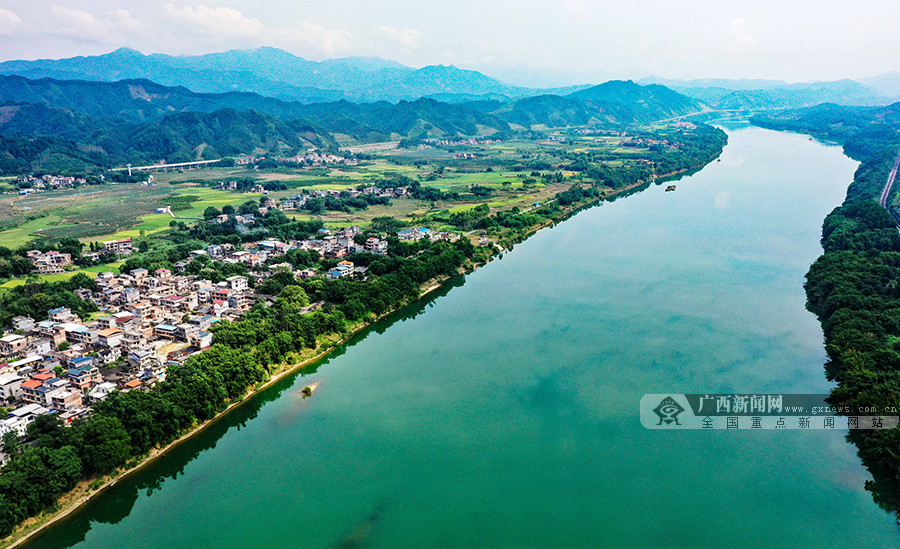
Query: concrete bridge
(167, 167)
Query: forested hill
(614, 102)
(103, 123)
(194, 135)
(862, 130)
(853, 287)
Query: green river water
(503, 411)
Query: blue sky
(560, 40)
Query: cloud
(575, 7)
(318, 38)
(123, 20)
(10, 23)
(78, 24)
(218, 22)
(405, 36)
(739, 34)
(223, 26)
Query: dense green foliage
(853, 286)
(35, 298)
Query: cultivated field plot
(84, 212)
(511, 169)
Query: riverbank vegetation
(853, 287)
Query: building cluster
(462, 141)
(51, 262)
(309, 158)
(646, 143)
(148, 321)
(54, 262)
(299, 200)
(315, 158)
(45, 182)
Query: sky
(547, 42)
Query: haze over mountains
(276, 73)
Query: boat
(670, 188)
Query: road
(886, 193)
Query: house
(202, 340)
(65, 399)
(185, 332)
(101, 391)
(84, 377)
(239, 301)
(77, 333)
(111, 337)
(11, 387)
(12, 344)
(19, 418)
(36, 391)
(165, 330)
(30, 361)
(23, 323)
(140, 360)
(109, 356)
(215, 251)
(238, 283)
(40, 346)
(62, 314)
(133, 384)
(376, 246)
(118, 247)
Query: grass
(22, 234)
(90, 271)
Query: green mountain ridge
(139, 121)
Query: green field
(127, 210)
(90, 271)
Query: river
(503, 410)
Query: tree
(293, 296)
(105, 445)
(11, 442)
(46, 431)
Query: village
(148, 321)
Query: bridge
(167, 167)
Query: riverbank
(84, 493)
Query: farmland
(510, 174)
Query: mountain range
(272, 72)
(725, 94)
(276, 73)
(139, 121)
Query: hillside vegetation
(49, 124)
(853, 286)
